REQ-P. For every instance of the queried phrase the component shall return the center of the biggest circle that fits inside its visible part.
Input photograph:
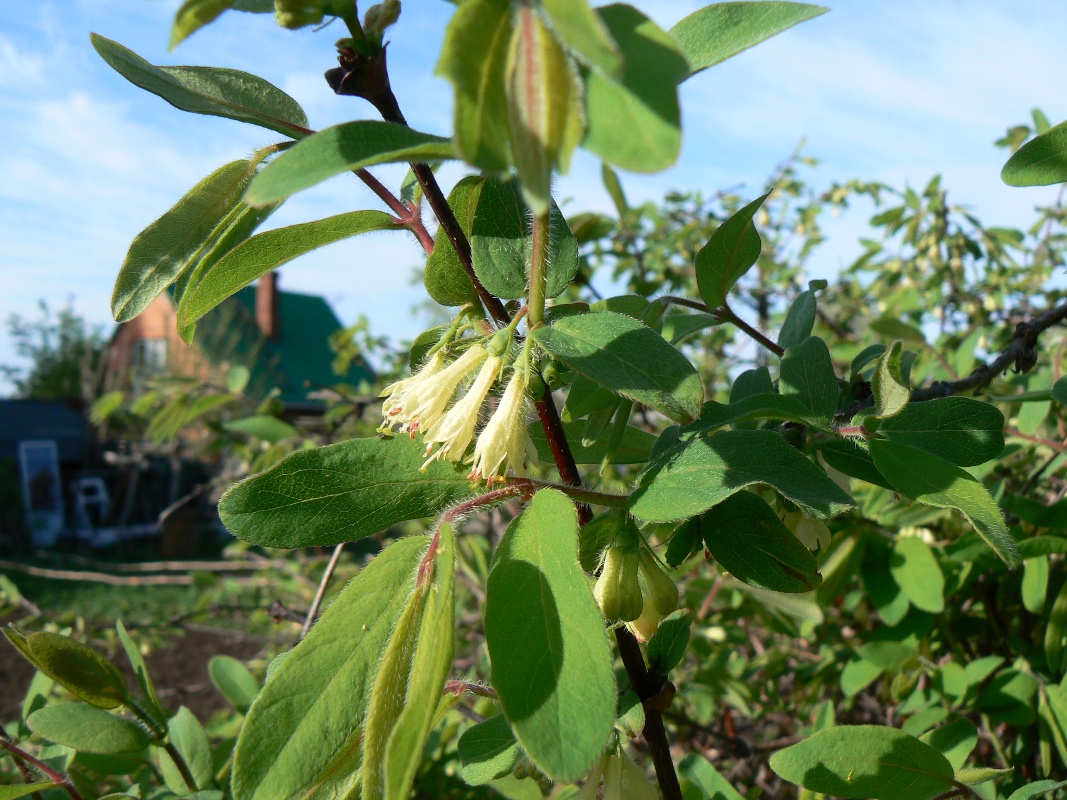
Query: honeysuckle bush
(763, 499)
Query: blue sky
(894, 90)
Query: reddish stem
(58, 778)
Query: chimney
(267, 316)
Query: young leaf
(364, 486)
(307, 722)
(717, 32)
(261, 254)
(190, 740)
(694, 476)
(265, 427)
(333, 151)
(488, 751)
(166, 248)
(1039, 162)
(698, 771)
(1036, 789)
(807, 374)
(730, 252)
(474, 59)
(746, 537)
(962, 430)
(891, 392)
(1035, 583)
(17, 790)
(234, 681)
(865, 761)
(82, 727)
(634, 121)
(193, 15)
(916, 571)
(799, 322)
(667, 645)
(928, 479)
(76, 667)
(445, 278)
(206, 90)
(552, 666)
(975, 776)
(140, 670)
(502, 243)
(411, 677)
(583, 31)
(626, 356)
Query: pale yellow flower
(623, 780)
(421, 404)
(454, 430)
(505, 442)
(402, 393)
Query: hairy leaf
(445, 278)
(234, 681)
(76, 667)
(962, 430)
(807, 374)
(80, 726)
(731, 251)
(1039, 162)
(488, 751)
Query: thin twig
(724, 312)
(321, 591)
(58, 778)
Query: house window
(149, 357)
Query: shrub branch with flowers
(748, 472)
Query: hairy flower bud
(662, 590)
(617, 590)
(381, 16)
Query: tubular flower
(505, 442)
(623, 780)
(454, 431)
(419, 402)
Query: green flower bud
(381, 16)
(536, 386)
(662, 590)
(293, 14)
(646, 625)
(500, 343)
(617, 590)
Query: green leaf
(234, 681)
(1059, 391)
(488, 751)
(265, 427)
(1039, 162)
(925, 478)
(580, 28)
(361, 487)
(502, 243)
(857, 675)
(699, 772)
(975, 776)
(887, 656)
(799, 322)
(634, 448)
(955, 740)
(266, 252)
(626, 356)
(307, 722)
(1009, 698)
(18, 790)
(746, 537)
(206, 90)
(411, 677)
(891, 392)
(83, 727)
(667, 645)
(634, 121)
(474, 59)
(895, 329)
(915, 569)
(167, 247)
(692, 477)
(193, 15)
(1035, 583)
(854, 461)
(770, 406)
(1054, 631)
(685, 540)
(681, 325)
(190, 740)
(445, 278)
(717, 32)
(1036, 789)
(597, 534)
(76, 667)
(140, 670)
(962, 430)
(807, 374)
(552, 666)
(865, 761)
(731, 251)
(333, 151)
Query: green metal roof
(298, 362)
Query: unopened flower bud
(646, 625)
(813, 533)
(617, 590)
(381, 16)
(662, 590)
(293, 14)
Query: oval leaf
(87, 729)
(234, 681)
(307, 722)
(362, 486)
(206, 90)
(1039, 162)
(962, 430)
(730, 252)
(333, 151)
(446, 280)
(865, 761)
(488, 751)
(914, 567)
(626, 356)
(76, 667)
(552, 666)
